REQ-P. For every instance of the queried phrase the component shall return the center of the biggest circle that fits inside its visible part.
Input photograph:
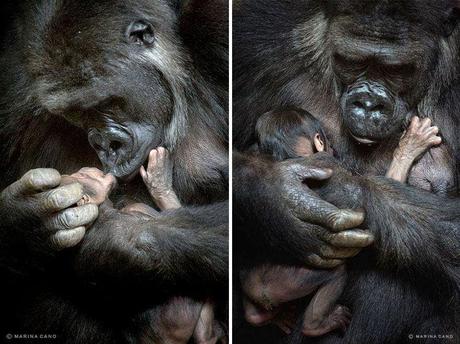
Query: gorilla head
(127, 79)
(362, 67)
(382, 56)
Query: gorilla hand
(334, 225)
(37, 197)
(278, 211)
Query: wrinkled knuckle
(54, 200)
(66, 219)
(326, 252)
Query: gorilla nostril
(358, 104)
(97, 147)
(115, 145)
(378, 108)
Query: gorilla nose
(109, 145)
(369, 107)
(368, 111)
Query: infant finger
(92, 171)
(435, 140)
(153, 156)
(161, 156)
(143, 172)
(414, 123)
(431, 131)
(426, 123)
(110, 181)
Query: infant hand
(158, 176)
(417, 139)
(96, 185)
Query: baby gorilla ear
(318, 143)
(140, 32)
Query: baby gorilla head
(290, 133)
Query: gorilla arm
(186, 246)
(275, 210)
(414, 230)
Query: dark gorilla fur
(65, 63)
(409, 284)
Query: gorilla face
(381, 56)
(115, 78)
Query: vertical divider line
(230, 110)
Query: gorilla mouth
(129, 169)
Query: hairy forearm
(187, 245)
(415, 230)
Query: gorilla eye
(140, 32)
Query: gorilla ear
(140, 32)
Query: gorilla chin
(123, 148)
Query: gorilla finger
(73, 217)
(67, 238)
(345, 218)
(315, 210)
(59, 198)
(37, 180)
(316, 173)
(322, 263)
(331, 252)
(355, 238)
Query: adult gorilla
(364, 68)
(101, 83)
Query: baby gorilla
(181, 318)
(294, 133)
